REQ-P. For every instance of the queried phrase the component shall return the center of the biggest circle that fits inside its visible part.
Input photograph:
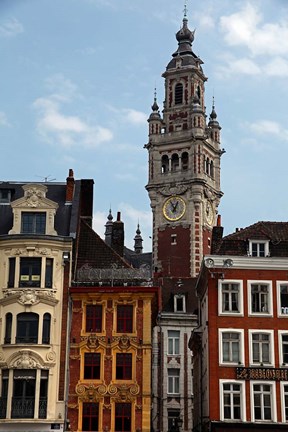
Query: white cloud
(11, 28)
(59, 128)
(99, 221)
(246, 28)
(235, 66)
(135, 215)
(3, 119)
(268, 127)
(277, 67)
(135, 117)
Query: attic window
(33, 223)
(179, 303)
(258, 248)
(5, 195)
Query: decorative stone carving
(51, 356)
(173, 190)
(28, 297)
(90, 391)
(25, 361)
(123, 392)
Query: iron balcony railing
(23, 407)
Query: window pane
(94, 318)
(124, 319)
(48, 273)
(30, 272)
(33, 223)
(11, 277)
(123, 366)
(92, 365)
(90, 417)
(27, 328)
(122, 417)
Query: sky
(77, 82)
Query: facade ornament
(173, 190)
(90, 392)
(123, 392)
(28, 297)
(51, 356)
(25, 361)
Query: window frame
(127, 319)
(282, 396)
(174, 339)
(223, 362)
(27, 339)
(258, 243)
(273, 401)
(270, 344)
(279, 284)
(125, 365)
(38, 221)
(179, 297)
(92, 410)
(95, 318)
(240, 297)
(222, 382)
(174, 380)
(282, 333)
(122, 417)
(178, 93)
(32, 263)
(93, 365)
(250, 283)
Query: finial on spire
(185, 9)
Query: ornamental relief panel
(27, 359)
(93, 341)
(29, 296)
(117, 392)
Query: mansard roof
(237, 243)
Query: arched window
(46, 328)
(174, 162)
(27, 327)
(212, 169)
(178, 97)
(164, 164)
(185, 161)
(207, 168)
(8, 328)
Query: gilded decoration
(123, 392)
(124, 342)
(88, 392)
(93, 341)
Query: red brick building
(241, 344)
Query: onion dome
(155, 109)
(184, 34)
(213, 117)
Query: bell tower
(184, 165)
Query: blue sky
(77, 83)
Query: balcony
(23, 407)
(3, 407)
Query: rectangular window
(230, 347)
(33, 223)
(173, 417)
(262, 402)
(283, 298)
(48, 273)
(11, 275)
(43, 397)
(90, 417)
(92, 365)
(30, 272)
(4, 393)
(232, 401)
(259, 248)
(124, 366)
(123, 417)
(179, 303)
(230, 297)
(94, 318)
(283, 345)
(27, 328)
(5, 195)
(173, 342)
(261, 348)
(284, 389)
(173, 381)
(23, 399)
(124, 319)
(260, 297)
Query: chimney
(70, 182)
(117, 241)
(217, 235)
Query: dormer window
(179, 303)
(33, 223)
(5, 196)
(258, 248)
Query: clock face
(209, 213)
(174, 208)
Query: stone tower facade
(184, 165)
